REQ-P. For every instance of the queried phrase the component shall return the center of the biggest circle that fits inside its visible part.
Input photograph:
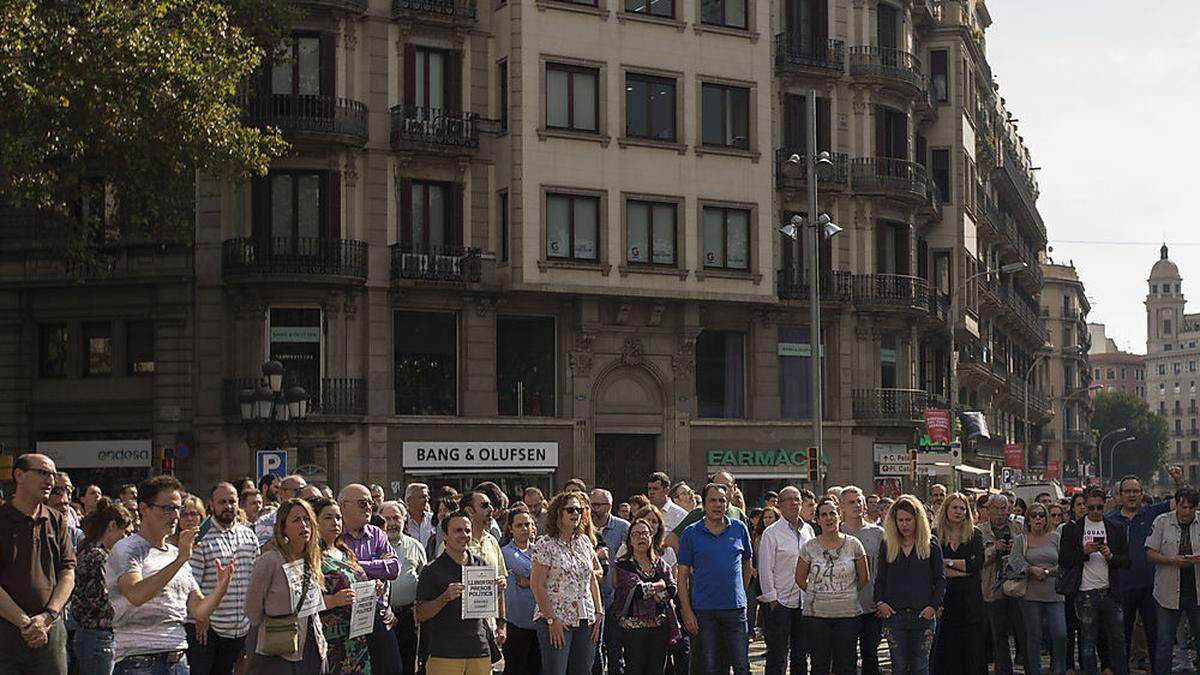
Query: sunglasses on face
(572, 509)
(1095, 507)
(1039, 516)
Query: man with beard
(411, 555)
(216, 645)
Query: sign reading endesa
(1014, 455)
(134, 452)
(937, 425)
(505, 456)
(778, 457)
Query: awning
(966, 468)
(449, 470)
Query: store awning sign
(778, 457)
(135, 452)
(424, 455)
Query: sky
(1103, 91)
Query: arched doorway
(628, 408)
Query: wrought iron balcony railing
(899, 405)
(434, 127)
(898, 177)
(456, 264)
(797, 174)
(438, 9)
(834, 286)
(892, 290)
(343, 396)
(299, 257)
(800, 53)
(342, 119)
(888, 64)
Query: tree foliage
(118, 105)
(1141, 456)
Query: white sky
(1104, 91)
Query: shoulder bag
(280, 635)
(1016, 582)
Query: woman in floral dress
(346, 655)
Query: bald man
(374, 552)
(289, 488)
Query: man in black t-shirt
(461, 645)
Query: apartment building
(1067, 442)
(1171, 362)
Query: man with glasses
(152, 589)
(288, 488)
(37, 574)
(374, 552)
(1137, 580)
(1093, 548)
(612, 531)
(1003, 612)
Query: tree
(108, 110)
(1141, 456)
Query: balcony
(799, 55)
(890, 177)
(1083, 436)
(357, 7)
(890, 405)
(939, 305)
(888, 67)
(1021, 188)
(835, 286)
(791, 176)
(447, 132)
(891, 290)
(312, 118)
(436, 264)
(304, 257)
(460, 13)
(333, 397)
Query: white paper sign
(362, 613)
(480, 598)
(315, 602)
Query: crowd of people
(264, 578)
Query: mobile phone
(1098, 539)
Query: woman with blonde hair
(568, 612)
(909, 586)
(269, 594)
(960, 642)
(191, 515)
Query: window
(726, 238)
(502, 207)
(53, 342)
(650, 235)
(502, 83)
(97, 348)
(432, 225)
(725, 116)
(1167, 347)
(139, 341)
(1123, 374)
(1178, 448)
(1097, 374)
(650, 107)
(1162, 369)
(430, 78)
(888, 361)
(728, 13)
(795, 372)
(295, 341)
(572, 97)
(1109, 374)
(720, 380)
(1162, 407)
(296, 68)
(295, 208)
(1193, 473)
(426, 362)
(525, 358)
(939, 75)
(652, 7)
(940, 169)
(572, 223)
(1195, 449)
(1153, 289)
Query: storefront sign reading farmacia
(778, 457)
(451, 455)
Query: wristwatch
(53, 614)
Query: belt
(174, 656)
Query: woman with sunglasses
(568, 612)
(831, 570)
(1042, 607)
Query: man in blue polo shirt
(1137, 580)
(714, 566)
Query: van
(1029, 490)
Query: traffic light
(166, 465)
(912, 463)
(814, 466)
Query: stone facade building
(1068, 441)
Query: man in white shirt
(778, 551)
(870, 628)
(411, 555)
(658, 489)
(420, 521)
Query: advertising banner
(937, 425)
(1014, 455)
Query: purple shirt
(370, 550)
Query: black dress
(961, 637)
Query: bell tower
(1164, 304)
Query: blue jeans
(574, 657)
(910, 638)
(784, 633)
(1099, 612)
(94, 651)
(831, 643)
(1042, 618)
(723, 626)
(1168, 622)
(151, 664)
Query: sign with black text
(505, 455)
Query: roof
(1164, 268)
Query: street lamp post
(814, 228)
(1112, 454)
(1003, 269)
(268, 409)
(1100, 448)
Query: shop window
(720, 374)
(525, 359)
(795, 373)
(97, 348)
(139, 341)
(53, 343)
(426, 361)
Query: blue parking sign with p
(272, 463)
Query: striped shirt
(237, 543)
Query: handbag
(280, 635)
(1016, 582)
